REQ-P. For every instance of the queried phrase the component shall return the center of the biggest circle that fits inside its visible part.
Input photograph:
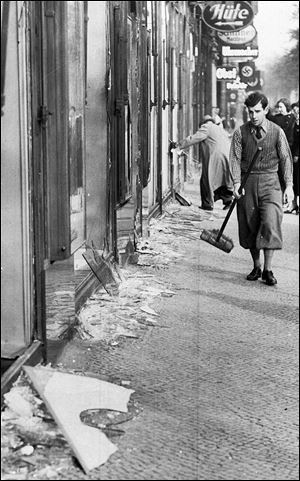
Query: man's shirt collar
(263, 125)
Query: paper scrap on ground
(66, 395)
(149, 310)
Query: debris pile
(34, 443)
(27, 434)
(110, 315)
(108, 318)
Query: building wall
(76, 75)
(96, 125)
(86, 178)
(165, 117)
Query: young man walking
(259, 206)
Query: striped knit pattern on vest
(269, 160)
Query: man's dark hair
(295, 104)
(256, 97)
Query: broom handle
(244, 180)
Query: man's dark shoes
(227, 205)
(206, 208)
(254, 274)
(268, 276)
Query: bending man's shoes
(268, 276)
(254, 274)
(206, 207)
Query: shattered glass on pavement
(28, 430)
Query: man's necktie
(258, 132)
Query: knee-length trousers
(260, 212)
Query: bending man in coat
(215, 180)
(259, 205)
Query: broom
(216, 237)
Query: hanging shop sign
(232, 96)
(240, 37)
(236, 85)
(228, 16)
(226, 73)
(247, 71)
(256, 83)
(228, 51)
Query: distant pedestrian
(259, 206)
(215, 181)
(294, 207)
(285, 118)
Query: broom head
(224, 243)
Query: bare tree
(282, 77)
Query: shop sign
(240, 37)
(232, 96)
(228, 16)
(247, 71)
(228, 51)
(237, 85)
(226, 73)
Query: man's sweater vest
(268, 161)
